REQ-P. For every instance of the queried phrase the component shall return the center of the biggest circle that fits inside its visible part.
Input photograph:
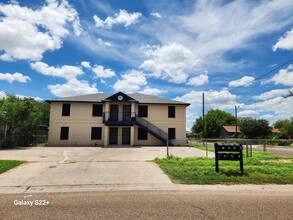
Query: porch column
(132, 136)
(133, 109)
(106, 136)
(107, 110)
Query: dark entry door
(113, 137)
(125, 135)
(126, 112)
(114, 112)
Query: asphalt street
(207, 204)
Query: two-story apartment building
(117, 119)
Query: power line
(261, 76)
(278, 67)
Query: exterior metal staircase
(153, 130)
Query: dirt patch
(277, 161)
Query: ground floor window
(64, 133)
(96, 133)
(172, 133)
(142, 134)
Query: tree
(290, 94)
(20, 118)
(255, 128)
(285, 127)
(197, 127)
(281, 125)
(214, 120)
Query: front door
(113, 112)
(125, 135)
(113, 137)
(126, 112)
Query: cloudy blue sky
(173, 49)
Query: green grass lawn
(8, 164)
(262, 168)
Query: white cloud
(284, 77)
(104, 43)
(285, 42)
(200, 80)
(212, 28)
(86, 64)
(26, 33)
(156, 14)
(244, 81)
(272, 105)
(101, 72)
(99, 22)
(221, 26)
(172, 62)
(152, 91)
(272, 94)
(123, 18)
(14, 77)
(131, 82)
(67, 72)
(223, 100)
(73, 87)
(24, 96)
(2, 94)
(247, 113)
(213, 99)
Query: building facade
(116, 120)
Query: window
(143, 111)
(96, 133)
(65, 109)
(172, 133)
(142, 134)
(171, 111)
(97, 110)
(64, 133)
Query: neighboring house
(228, 131)
(117, 119)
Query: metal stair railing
(153, 129)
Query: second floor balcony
(119, 118)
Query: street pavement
(122, 183)
(196, 204)
(55, 169)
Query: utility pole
(236, 107)
(203, 133)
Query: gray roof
(99, 97)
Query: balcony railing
(118, 116)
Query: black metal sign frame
(228, 152)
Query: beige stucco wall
(158, 115)
(81, 121)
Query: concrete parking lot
(48, 167)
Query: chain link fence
(12, 141)
(248, 144)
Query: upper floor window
(65, 109)
(143, 111)
(171, 112)
(97, 110)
